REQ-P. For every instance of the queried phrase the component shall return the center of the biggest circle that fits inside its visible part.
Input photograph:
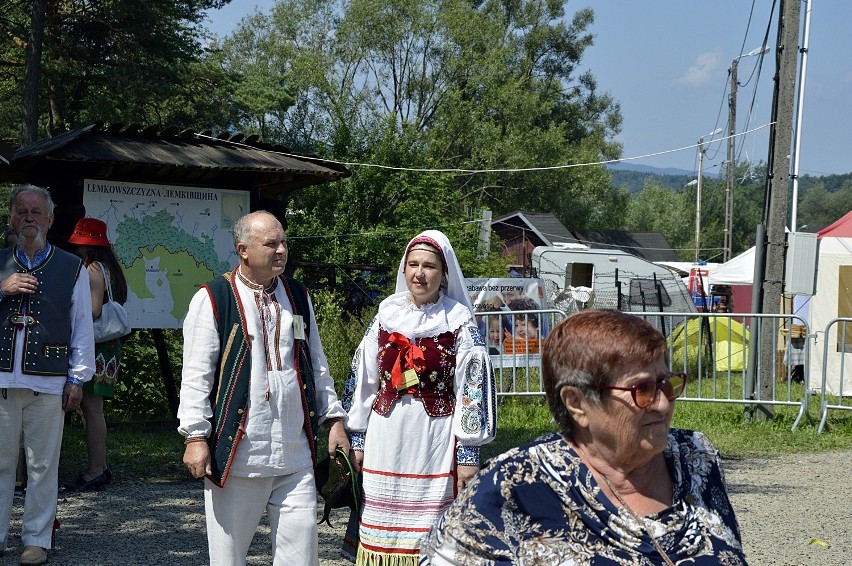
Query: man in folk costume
(47, 351)
(255, 390)
(421, 401)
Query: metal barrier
(715, 349)
(837, 339)
(516, 359)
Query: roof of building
(168, 156)
(651, 246)
(543, 228)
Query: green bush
(140, 394)
(340, 334)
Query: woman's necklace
(639, 520)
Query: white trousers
(234, 511)
(40, 417)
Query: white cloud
(702, 71)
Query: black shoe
(97, 483)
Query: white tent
(736, 271)
(833, 299)
(684, 267)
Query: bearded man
(47, 351)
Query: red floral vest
(436, 379)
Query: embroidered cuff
(74, 381)
(356, 440)
(467, 455)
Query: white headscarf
(398, 313)
(455, 280)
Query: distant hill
(648, 169)
(634, 176)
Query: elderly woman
(420, 402)
(617, 486)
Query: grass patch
(134, 451)
(154, 450)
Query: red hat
(90, 232)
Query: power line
(484, 171)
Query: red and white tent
(833, 299)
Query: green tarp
(727, 336)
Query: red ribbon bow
(410, 357)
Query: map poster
(169, 240)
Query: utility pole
(731, 165)
(698, 200)
(698, 192)
(732, 157)
(775, 215)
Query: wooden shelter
(173, 157)
(170, 156)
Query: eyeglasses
(645, 393)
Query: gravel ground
(793, 510)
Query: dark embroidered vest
(436, 387)
(46, 314)
(230, 395)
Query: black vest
(47, 313)
(229, 397)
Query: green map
(169, 241)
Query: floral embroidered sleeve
(475, 414)
(361, 386)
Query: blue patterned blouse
(540, 504)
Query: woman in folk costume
(420, 400)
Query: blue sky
(667, 61)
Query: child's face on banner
(494, 329)
(525, 327)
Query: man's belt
(22, 320)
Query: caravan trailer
(578, 277)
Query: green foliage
(432, 85)
(140, 392)
(820, 205)
(659, 208)
(340, 335)
(128, 61)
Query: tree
(672, 212)
(434, 85)
(110, 61)
(820, 207)
(659, 209)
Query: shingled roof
(169, 156)
(544, 229)
(651, 246)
